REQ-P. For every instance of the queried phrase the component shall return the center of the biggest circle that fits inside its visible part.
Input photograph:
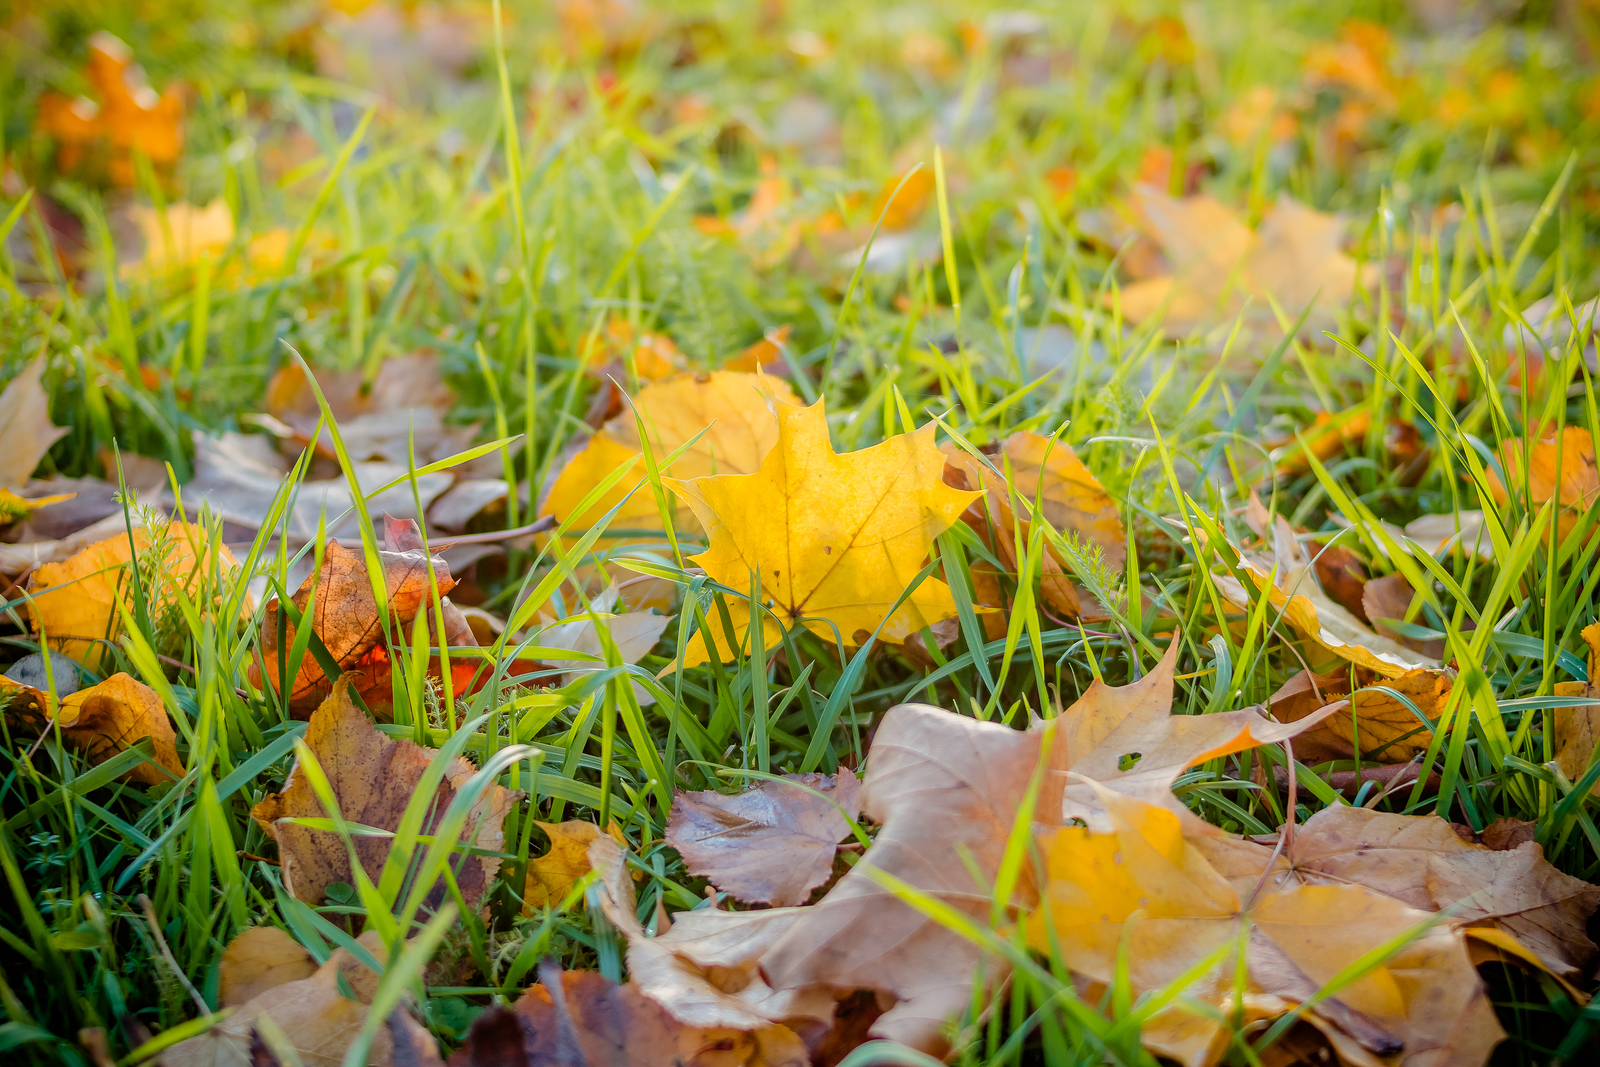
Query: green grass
(436, 223)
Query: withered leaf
(704, 971)
(373, 778)
(551, 875)
(1576, 730)
(345, 617)
(1423, 1005)
(1127, 739)
(25, 426)
(105, 719)
(1419, 859)
(311, 1015)
(259, 959)
(771, 844)
(1386, 729)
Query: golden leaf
(836, 538)
(551, 875)
(74, 602)
(1422, 1000)
(105, 719)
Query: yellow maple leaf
(732, 409)
(74, 602)
(835, 538)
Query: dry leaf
(1069, 498)
(105, 719)
(733, 410)
(1560, 467)
(259, 959)
(1386, 729)
(1422, 1006)
(634, 633)
(181, 235)
(1576, 730)
(1127, 739)
(401, 409)
(318, 1023)
(945, 790)
(706, 975)
(765, 356)
(1294, 259)
(771, 844)
(1423, 862)
(345, 618)
(617, 1026)
(127, 116)
(25, 426)
(551, 875)
(1390, 597)
(74, 602)
(1290, 584)
(854, 530)
(373, 778)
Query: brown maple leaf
(1127, 739)
(373, 777)
(705, 969)
(1419, 859)
(771, 844)
(1147, 898)
(345, 617)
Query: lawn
(780, 533)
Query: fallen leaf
(854, 530)
(100, 135)
(634, 633)
(25, 425)
(771, 844)
(732, 409)
(1126, 739)
(552, 875)
(1557, 466)
(1288, 580)
(704, 971)
(1383, 726)
(1423, 1005)
(621, 352)
(373, 777)
(1575, 731)
(1390, 598)
(1343, 576)
(316, 1021)
(345, 618)
(1420, 860)
(106, 719)
(74, 603)
(1068, 497)
(1293, 259)
(765, 356)
(402, 408)
(181, 235)
(617, 1026)
(259, 959)
(945, 790)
